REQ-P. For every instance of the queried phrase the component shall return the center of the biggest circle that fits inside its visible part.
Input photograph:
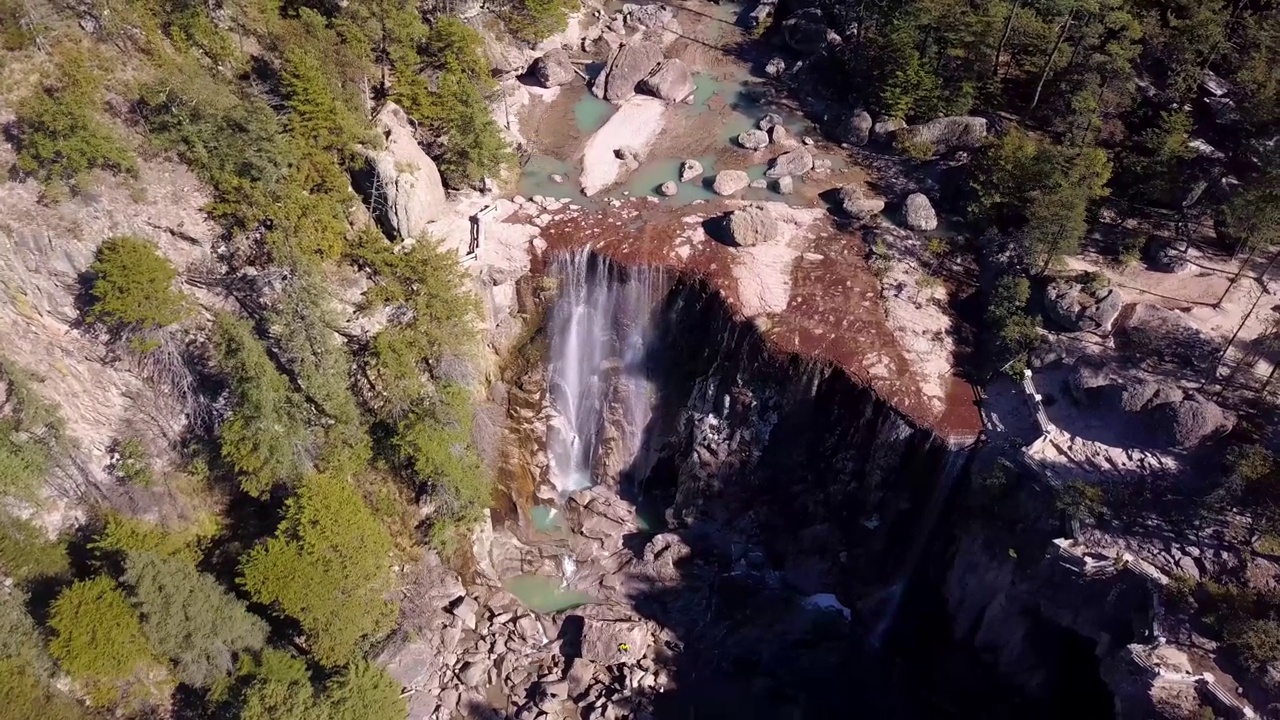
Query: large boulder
(648, 17)
(884, 128)
(671, 81)
(761, 14)
(753, 139)
(1193, 420)
(400, 181)
(805, 31)
(553, 68)
(860, 204)
(918, 213)
(947, 133)
(627, 66)
(853, 128)
(609, 641)
(752, 225)
(729, 182)
(1080, 307)
(690, 169)
(794, 163)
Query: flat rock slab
(634, 127)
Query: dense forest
(1109, 112)
(1116, 114)
(315, 449)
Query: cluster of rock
(1078, 306)
(633, 21)
(640, 66)
(539, 208)
(768, 130)
(1171, 416)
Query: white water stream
(601, 329)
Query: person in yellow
(623, 647)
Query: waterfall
(601, 330)
(950, 471)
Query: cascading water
(601, 331)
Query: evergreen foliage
(264, 437)
(535, 20)
(364, 691)
(122, 536)
(464, 139)
(435, 442)
(26, 554)
(132, 287)
(31, 434)
(189, 618)
(439, 317)
(328, 567)
(304, 328)
(25, 695)
(97, 636)
(26, 668)
(58, 132)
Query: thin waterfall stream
(600, 399)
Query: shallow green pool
(591, 113)
(545, 594)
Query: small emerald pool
(545, 594)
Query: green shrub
(436, 443)
(364, 691)
(534, 20)
(328, 566)
(1082, 499)
(1095, 281)
(1256, 642)
(302, 323)
(25, 695)
(122, 536)
(97, 637)
(20, 639)
(189, 618)
(915, 149)
(59, 136)
(15, 34)
(263, 438)
(30, 434)
(130, 464)
(132, 288)
(27, 554)
(430, 283)
(466, 142)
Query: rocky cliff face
(783, 539)
(44, 252)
